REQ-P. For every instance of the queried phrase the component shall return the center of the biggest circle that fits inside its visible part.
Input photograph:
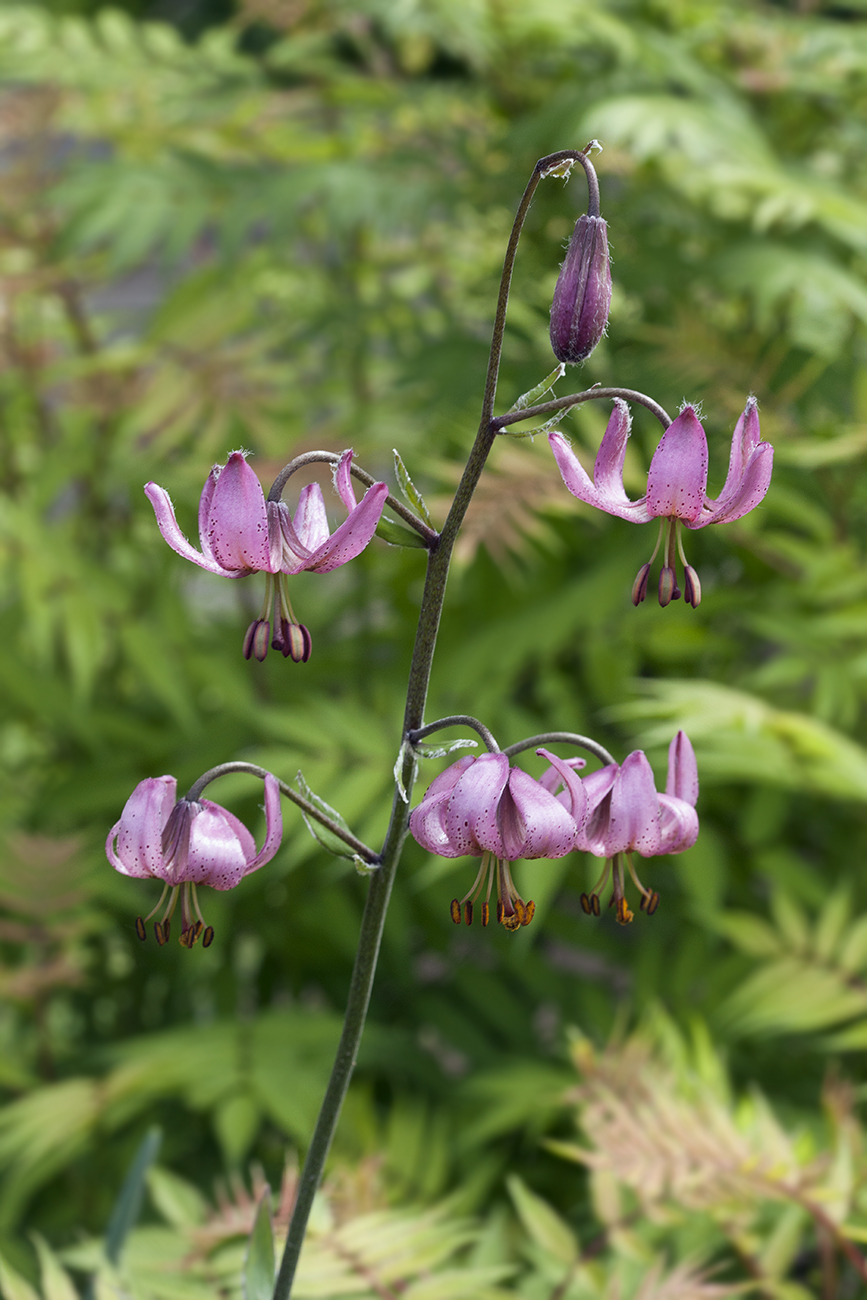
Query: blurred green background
(279, 224)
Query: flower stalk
(379, 892)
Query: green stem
(309, 809)
(379, 892)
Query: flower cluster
(241, 533)
(676, 487)
(185, 843)
(483, 807)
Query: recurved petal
(745, 439)
(168, 526)
(354, 533)
(608, 470)
(134, 844)
(238, 520)
(573, 472)
(471, 815)
(678, 825)
(633, 822)
(311, 521)
(682, 778)
(677, 479)
(273, 825)
(532, 823)
(574, 796)
(427, 821)
(205, 510)
(593, 835)
(343, 481)
(219, 849)
(750, 492)
(551, 779)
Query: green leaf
(12, 1284)
(410, 492)
(397, 535)
(534, 395)
(542, 1222)
(259, 1267)
(179, 1202)
(127, 1207)
(320, 833)
(56, 1282)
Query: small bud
(639, 586)
(692, 587)
(582, 297)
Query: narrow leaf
(13, 1285)
(333, 843)
(259, 1267)
(396, 534)
(542, 1222)
(127, 1207)
(410, 492)
(531, 397)
(56, 1282)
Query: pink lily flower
(626, 815)
(185, 843)
(483, 807)
(241, 533)
(676, 486)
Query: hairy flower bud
(579, 312)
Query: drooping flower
(241, 533)
(626, 815)
(483, 807)
(185, 843)
(676, 486)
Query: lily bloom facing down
(185, 843)
(241, 533)
(627, 815)
(676, 486)
(482, 807)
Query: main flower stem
(379, 892)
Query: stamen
(140, 929)
(468, 912)
(208, 936)
(486, 912)
(529, 912)
(624, 916)
(455, 908)
(691, 583)
(144, 920)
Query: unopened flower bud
(582, 298)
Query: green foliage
(287, 235)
